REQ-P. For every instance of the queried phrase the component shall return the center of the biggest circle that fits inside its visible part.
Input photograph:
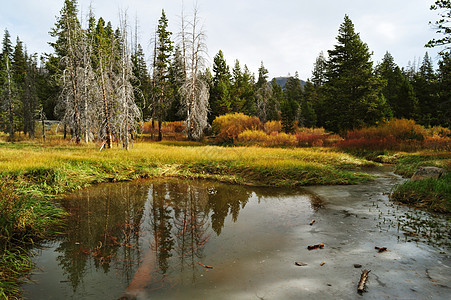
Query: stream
(175, 239)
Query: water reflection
(146, 232)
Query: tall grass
(432, 194)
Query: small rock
(428, 172)
(300, 264)
(357, 266)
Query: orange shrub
(228, 127)
(400, 129)
(281, 139)
(252, 137)
(437, 143)
(273, 126)
(316, 131)
(439, 131)
(166, 127)
(398, 134)
(260, 138)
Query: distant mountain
(283, 80)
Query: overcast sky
(287, 35)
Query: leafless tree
(128, 113)
(194, 89)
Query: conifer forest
(98, 84)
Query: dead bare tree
(194, 90)
(128, 114)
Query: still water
(173, 239)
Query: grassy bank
(33, 176)
(432, 194)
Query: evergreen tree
(9, 99)
(442, 25)
(398, 91)
(444, 83)
(163, 56)
(292, 93)
(425, 86)
(319, 70)
(19, 71)
(242, 91)
(141, 81)
(220, 98)
(308, 117)
(30, 101)
(262, 93)
(176, 78)
(275, 101)
(353, 93)
(262, 76)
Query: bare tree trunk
(109, 139)
(43, 126)
(73, 74)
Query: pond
(174, 239)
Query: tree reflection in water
(162, 227)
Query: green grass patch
(432, 194)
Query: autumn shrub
(281, 139)
(396, 134)
(273, 126)
(315, 137)
(173, 127)
(252, 137)
(260, 138)
(228, 127)
(438, 132)
(437, 143)
(166, 127)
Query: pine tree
(425, 86)
(220, 98)
(398, 91)
(176, 79)
(444, 87)
(263, 93)
(292, 93)
(442, 25)
(163, 56)
(275, 101)
(319, 70)
(142, 81)
(308, 117)
(9, 101)
(353, 93)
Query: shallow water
(159, 239)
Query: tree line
(98, 84)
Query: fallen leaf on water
(319, 246)
(380, 249)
